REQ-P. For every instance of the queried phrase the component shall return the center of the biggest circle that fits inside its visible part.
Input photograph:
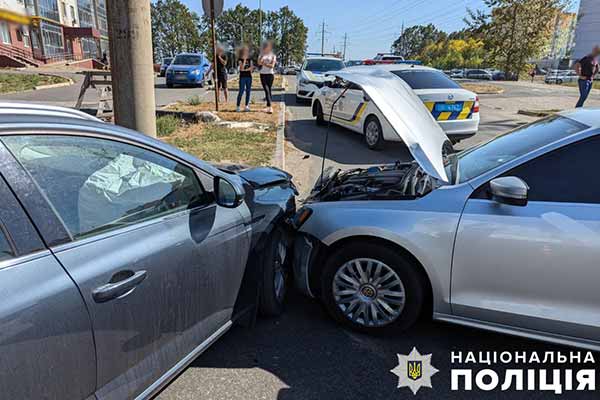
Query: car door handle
(120, 284)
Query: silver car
(122, 258)
(504, 236)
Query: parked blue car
(164, 65)
(188, 69)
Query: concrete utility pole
(131, 62)
(345, 45)
(260, 24)
(323, 39)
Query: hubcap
(368, 292)
(372, 133)
(279, 275)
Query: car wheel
(275, 275)
(320, 116)
(169, 85)
(559, 82)
(373, 133)
(372, 289)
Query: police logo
(414, 371)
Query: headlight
(301, 217)
(304, 81)
(196, 72)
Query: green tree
(175, 29)
(415, 39)
(514, 31)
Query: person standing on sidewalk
(587, 68)
(267, 61)
(246, 66)
(222, 72)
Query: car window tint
(569, 174)
(426, 79)
(6, 250)
(96, 185)
(323, 65)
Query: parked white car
(312, 76)
(559, 77)
(455, 109)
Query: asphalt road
(304, 355)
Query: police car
(455, 109)
(311, 77)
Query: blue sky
(371, 25)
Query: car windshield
(480, 159)
(187, 60)
(323, 65)
(167, 61)
(422, 79)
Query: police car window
(323, 65)
(420, 79)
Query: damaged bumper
(305, 254)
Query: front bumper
(184, 79)
(306, 91)
(305, 254)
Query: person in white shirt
(267, 61)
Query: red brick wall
(17, 38)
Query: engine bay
(401, 180)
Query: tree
(412, 41)
(515, 31)
(457, 53)
(175, 29)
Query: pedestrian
(245, 65)
(533, 72)
(222, 73)
(587, 68)
(267, 61)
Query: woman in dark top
(222, 73)
(246, 67)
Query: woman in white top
(267, 61)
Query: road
(304, 355)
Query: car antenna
(327, 133)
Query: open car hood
(407, 114)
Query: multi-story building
(587, 33)
(52, 30)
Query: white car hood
(407, 114)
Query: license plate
(448, 107)
(181, 77)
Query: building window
(73, 17)
(5, 32)
(63, 10)
(89, 46)
(49, 9)
(52, 38)
(86, 14)
(102, 19)
(26, 37)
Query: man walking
(587, 68)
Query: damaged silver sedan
(504, 236)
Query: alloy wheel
(279, 277)
(368, 292)
(372, 133)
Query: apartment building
(587, 33)
(47, 31)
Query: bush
(194, 100)
(166, 125)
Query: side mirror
(509, 190)
(227, 194)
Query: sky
(371, 25)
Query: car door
(535, 267)
(351, 106)
(158, 263)
(45, 331)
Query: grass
(194, 100)
(216, 143)
(277, 83)
(166, 125)
(482, 88)
(10, 82)
(221, 144)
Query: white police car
(454, 108)
(312, 76)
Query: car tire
(275, 275)
(320, 116)
(559, 82)
(373, 133)
(169, 85)
(393, 264)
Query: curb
(55, 85)
(279, 157)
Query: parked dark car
(164, 65)
(123, 258)
(478, 74)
